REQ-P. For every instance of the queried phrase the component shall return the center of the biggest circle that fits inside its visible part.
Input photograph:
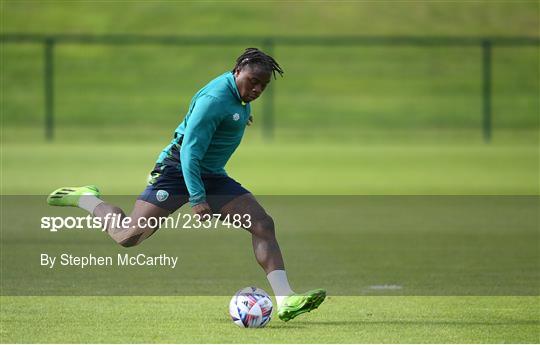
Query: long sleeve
(205, 117)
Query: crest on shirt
(236, 117)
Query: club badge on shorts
(162, 195)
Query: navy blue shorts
(167, 189)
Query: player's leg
(268, 255)
(126, 233)
(164, 194)
(136, 229)
(263, 237)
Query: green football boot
(297, 304)
(69, 196)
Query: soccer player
(191, 169)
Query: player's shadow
(416, 322)
(273, 324)
(288, 325)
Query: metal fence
(49, 43)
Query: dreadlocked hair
(253, 56)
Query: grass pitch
(408, 162)
(205, 320)
(289, 168)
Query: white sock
(280, 284)
(89, 203)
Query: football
(251, 307)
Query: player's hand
(250, 120)
(202, 209)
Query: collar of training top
(232, 84)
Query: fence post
(49, 87)
(486, 89)
(268, 105)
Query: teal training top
(209, 134)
